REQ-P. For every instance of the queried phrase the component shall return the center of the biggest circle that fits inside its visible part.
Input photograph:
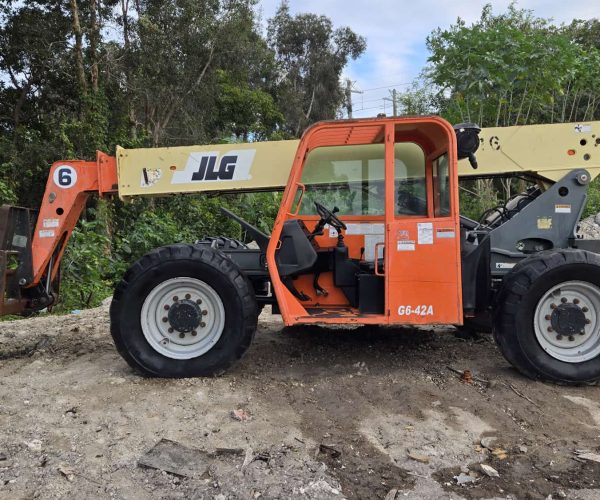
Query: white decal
(48, 233)
(359, 229)
(370, 241)
(50, 223)
(19, 241)
(64, 176)
(505, 265)
(562, 209)
(233, 165)
(445, 233)
(405, 246)
(581, 128)
(421, 310)
(150, 176)
(425, 233)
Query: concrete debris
(489, 470)
(174, 458)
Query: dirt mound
(325, 413)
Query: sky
(396, 30)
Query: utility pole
(394, 102)
(348, 94)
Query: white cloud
(396, 31)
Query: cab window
(441, 187)
(409, 174)
(348, 177)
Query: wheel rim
(566, 321)
(182, 318)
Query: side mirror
(467, 141)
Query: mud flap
(16, 264)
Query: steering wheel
(329, 217)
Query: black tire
(205, 264)
(522, 290)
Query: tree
(311, 56)
(511, 69)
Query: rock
(489, 470)
(391, 494)
(488, 441)
(2, 457)
(34, 445)
(67, 472)
(463, 478)
(523, 448)
(592, 457)
(241, 415)
(419, 457)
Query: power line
(388, 86)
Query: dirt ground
(363, 413)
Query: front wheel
(547, 322)
(183, 311)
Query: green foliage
(514, 68)
(310, 56)
(86, 268)
(151, 73)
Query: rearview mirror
(467, 141)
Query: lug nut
(170, 330)
(559, 337)
(182, 335)
(167, 307)
(548, 317)
(584, 309)
(575, 301)
(205, 312)
(165, 319)
(571, 338)
(582, 332)
(199, 301)
(175, 299)
(588, 321)
(194, 333)
(564, 300)
(550, 329)
(188, 296)
(552, 306)
(202, 325)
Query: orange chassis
(422, 285)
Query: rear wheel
(183, 311)
(547, 323)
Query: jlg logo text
(209, 167)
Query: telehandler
(368, 232)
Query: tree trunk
(78, 47)
(94, 36)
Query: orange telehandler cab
(368, 232)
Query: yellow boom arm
(544, 151)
